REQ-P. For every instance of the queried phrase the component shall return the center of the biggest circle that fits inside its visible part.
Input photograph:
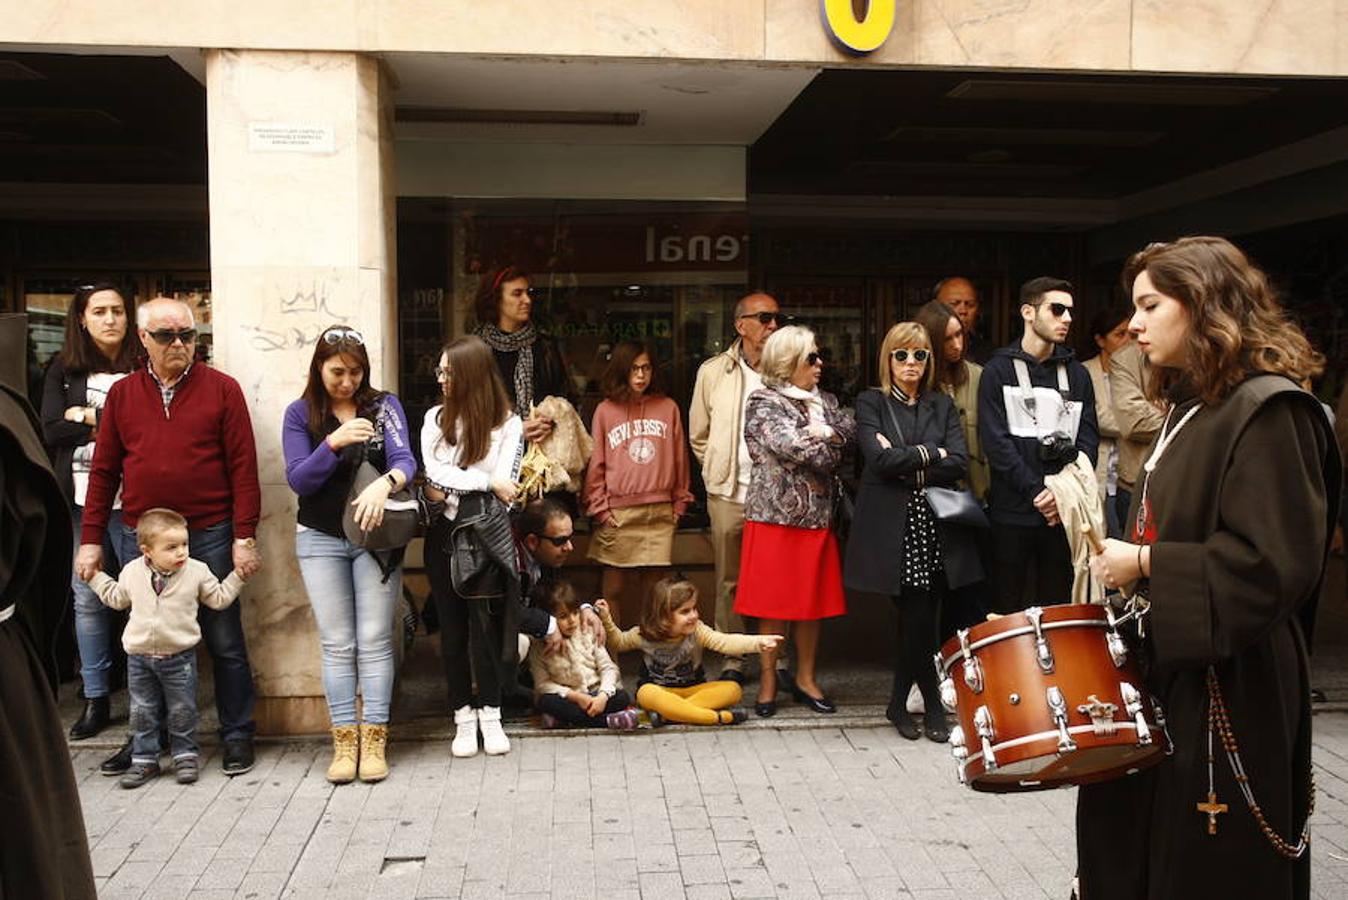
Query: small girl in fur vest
(577, 685)
(671, 637)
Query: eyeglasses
(643, 370)
(442, 372)
(338, 335)
(166, 336)
(560, 541)
(814, 358)
(1058, 310)
(767, 318)
(901, 355)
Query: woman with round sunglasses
(530, 363)
(94, 356)
(910, 437)
(340, 422)
(789, 571)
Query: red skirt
(789, 573)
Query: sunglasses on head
(901, 355)
(767, 318)
(560, 541)
(340, 335)
(166, 336)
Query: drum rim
(1052, 735)
(1018, 631)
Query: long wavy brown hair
(1237, 326)
(620, 362)
(935, 316)
(474, 396)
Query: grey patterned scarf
(521, 341)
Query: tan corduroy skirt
(644, 536)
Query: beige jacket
(966, 403)
(1136, 418)
(579, 665)
(1104, 418)
(164, 624)
(716, 420)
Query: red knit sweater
(198, 459)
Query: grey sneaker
(139, 774)
(185, 769)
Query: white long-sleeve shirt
(442, 461)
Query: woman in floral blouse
(790, 571)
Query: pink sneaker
(548, 721)
(623, 719)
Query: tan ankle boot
(373, 739)
(345, 747)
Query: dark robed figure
(44, 854)
(1229, 532)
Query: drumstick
(1097, 545)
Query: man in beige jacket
(716, 433)
(1137, 420)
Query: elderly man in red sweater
(177, 434)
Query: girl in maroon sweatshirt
(637, 484)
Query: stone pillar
(302, 218)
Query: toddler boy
(163, 590)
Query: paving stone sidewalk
(725, 813)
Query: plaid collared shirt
(166, 391)
(158, 580)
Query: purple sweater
(311, 463)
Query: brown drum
(1045, 698)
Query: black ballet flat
(906, 725)
(766, 709)
(816, 704)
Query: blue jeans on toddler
(353, 606)
(94, 622)
(163, 692)
(221, 630)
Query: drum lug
(1058, 707)
(1132, 705)
(983, 724)
(960, 750)
(949, 699)
(1042, 651)
(1118, 650)
(973, 672)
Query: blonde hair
(783, 352)
(907, 334)
(669, 594)
(154, 522)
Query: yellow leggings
(699, 704)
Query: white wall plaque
(290, 137)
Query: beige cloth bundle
(1077, 493)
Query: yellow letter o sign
(865, 35)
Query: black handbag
(401, 513)
(481, 548)
(844, 507)
(955, 506)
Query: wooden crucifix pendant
(1211, 808)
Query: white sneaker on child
(465, 733)
(494, 740)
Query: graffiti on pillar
(295, 334)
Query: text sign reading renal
(855, 35)
(285, 137)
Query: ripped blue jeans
(165, 687)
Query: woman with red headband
(530, 363)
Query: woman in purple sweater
(340, 421)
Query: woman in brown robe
(1229, 532)
(44, 854)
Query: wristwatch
(392, 482)
(250, 543)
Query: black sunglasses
(1058, 309)
(767, 318)
(166, 336)
(901, 355)
(812, 358)
(560, 541)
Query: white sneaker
(465, 734)
(494, 740)
(915, 706)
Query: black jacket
(875, 549)
(60, 391)
(1016, 469)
